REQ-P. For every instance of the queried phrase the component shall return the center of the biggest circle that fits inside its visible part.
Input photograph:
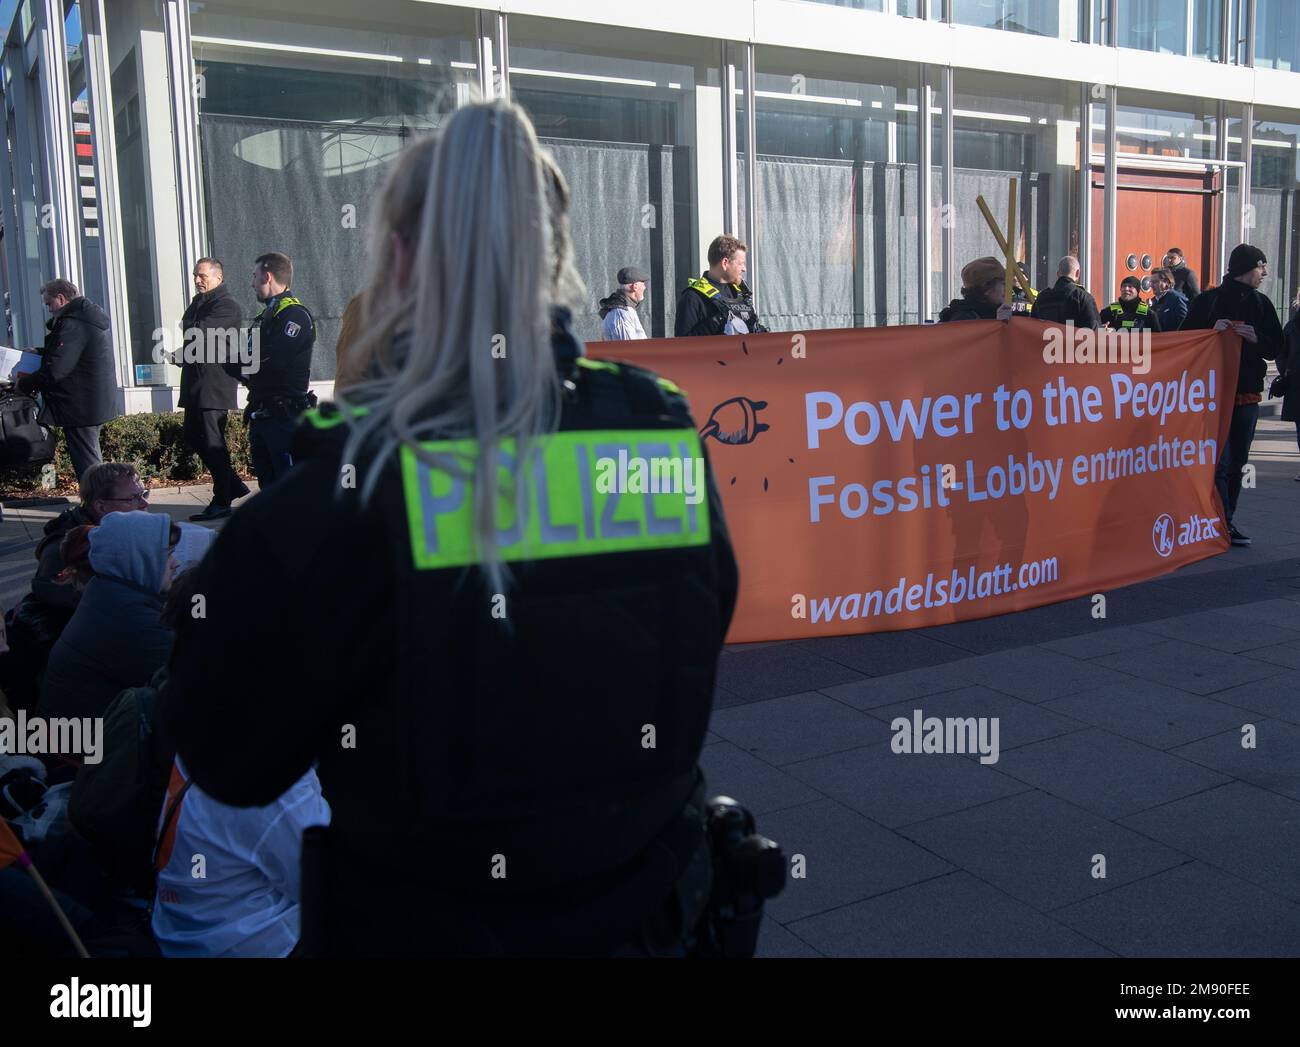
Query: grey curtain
(836, 243)
(630, 206)
(283, 186)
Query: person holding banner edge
(1238, 305)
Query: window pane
(1274, 192)
(1277, 34)
(634, 121)
(1040, 17)
(299, 116)
(1006, 127)
(837, 190)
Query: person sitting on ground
(115, 639)
(983, 288)
(36, 622)
(1130, 313)
(247, 902)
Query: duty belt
(290, 403)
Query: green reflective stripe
(584, 498)
(672, 387)
(597, 365)
(281, 306)
(319, 421)
(1142, 309)
(703, 286)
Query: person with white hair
(500, 659)
(619, 321)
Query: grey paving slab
(1270, 612)
(758, 786)
(1188, 666)
(916, 683)
(846, 858)
(770, 672)
(1284, 654)
(1105, 773)
(954, 915)
(1272, 762)
(1150, 713)
(775, 942)
(879, 654)
(1276, 696)
(1019, 722)
(1239, 828)
(1193, 910)
(1040, 849)
(1038, 675)
(796, 727)
(1221, 632)
(1104, 639)
(898, 788)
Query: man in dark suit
(212, 336)
(76, 379)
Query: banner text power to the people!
(901, 477)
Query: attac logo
(1165, 533)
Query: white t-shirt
(246, 901)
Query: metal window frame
(107, 190)
(751, 173)
(947, 89)
(730, 186)
(60, 167)
(1112, 193)
(1085, 181)
(185, 123)
(925, 196)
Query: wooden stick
(992, 223)
(1013, 270)
(54, 904)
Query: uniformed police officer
(501, 662)
(280, 340)
(1130, 313)
(719, 301)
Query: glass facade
(836, 220)
(1027, 129)
(300, 112)
(633, 121)
(1277, 34)
(1274, 195)
(1038, 17)
(302, 107)
(1174, 27)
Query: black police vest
(554, 728)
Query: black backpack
(115, 803)
(23, 440)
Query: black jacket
(1171, 308)
(458, 728)
(969, 309)
(1185, 282)
(285, 336)
(206, 385)
(1288, 365)
(1117, 314)
(700, 314)
(1066, 301)
(76, 377)
(1233, 300)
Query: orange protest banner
(892, 478)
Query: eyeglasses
(139, 496)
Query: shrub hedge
(151, 442)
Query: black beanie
(1243, 259)
(1133, 281)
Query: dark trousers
(268, 441)
(83, 447)
(1235, 454)
(205, 432)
